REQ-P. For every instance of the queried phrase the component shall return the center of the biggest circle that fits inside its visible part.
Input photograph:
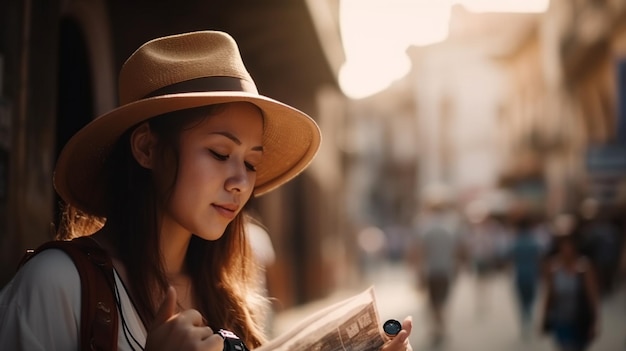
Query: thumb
(167, 308)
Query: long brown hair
(222, 271)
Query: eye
(219, 156)
(250, 167)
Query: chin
(210, 236)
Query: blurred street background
(482, 315)
(499, 122)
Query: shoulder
(49, 267)
(47, 275)
(41, 305)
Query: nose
(240, 180)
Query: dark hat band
(204, 84)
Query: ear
(142, 143)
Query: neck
(173, 245)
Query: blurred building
(58, 70)
(459, 88)
(438, 125)
(381, 165)
(565, 108)
(531, 103)
(381, 158)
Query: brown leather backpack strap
(99, 314)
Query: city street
(481, 316)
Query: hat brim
(291, 140)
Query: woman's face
(216, 173)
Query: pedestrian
(481, 247)
(164, 180)
(601, 239)
(439, 253)
(571, 306)
(526, 255)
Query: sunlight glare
(366, 77)
(525, 6)
(377, 33)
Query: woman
(162, 183)
(572, 306)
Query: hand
(400, 342)
(180, 331)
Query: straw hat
(175, 73)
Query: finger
(192, 317)
(398, 340)
(204, 333)
(167, 308)
(214, 342)
(407, 324)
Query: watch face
(392, 327)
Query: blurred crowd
(561, 267)
(576, 258)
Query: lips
(226, 210)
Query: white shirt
(40, 308)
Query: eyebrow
(236, 140)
